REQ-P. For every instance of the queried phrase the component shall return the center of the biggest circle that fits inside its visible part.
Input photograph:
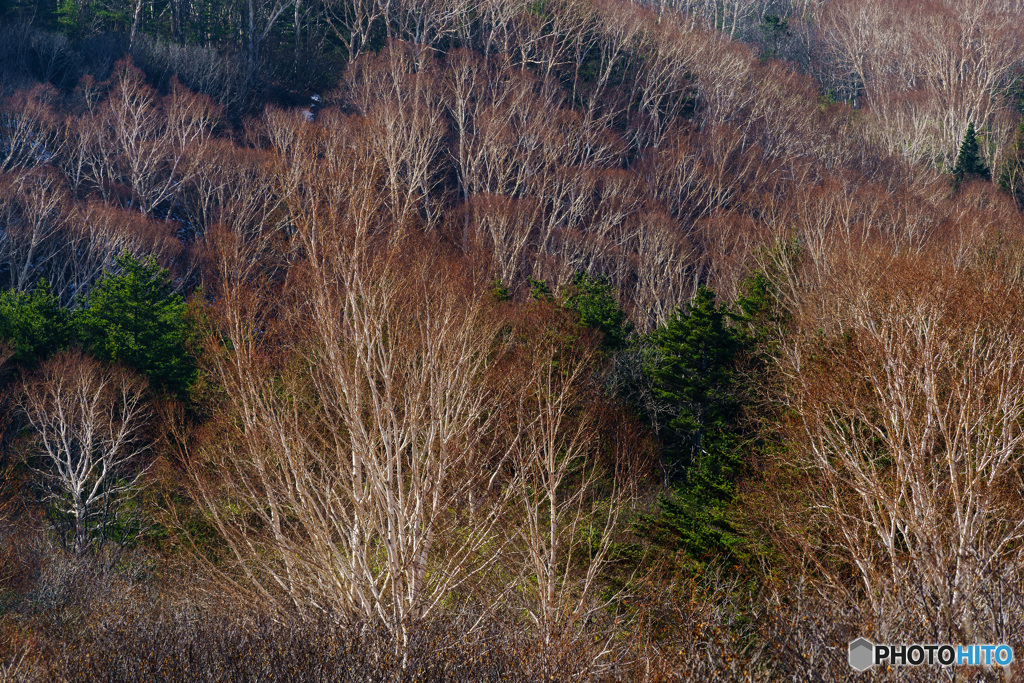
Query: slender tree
(969, 162)
(88, 421)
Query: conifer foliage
(33, 323)
(458, 372)
(593, 299)
(699, 348)
(969, 162)
(696, 376)
(134, 316)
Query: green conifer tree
(700, 349)
(499, 291)
(695, 376)
(539, 290)
(135, 317)
(34, 323)
(969, 163)
(593, 299)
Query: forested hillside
(508, 339)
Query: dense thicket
(630, 341)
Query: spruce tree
(700, 350)
(135, 317)
(539, 290)
(593, 300)
(33, 323)
(969, 163)
(695, 376)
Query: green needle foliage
(34, 323)
(135, 317)
(539, 290)
(969, 163)
(499, 291)
(700, 350)
(695, 376)
(593, 299)
(700, 532)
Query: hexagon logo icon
(862, 654)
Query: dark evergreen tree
(499, 291)
(695, 376)
(969, 163)
(700, 531)
(774, 32)
(700, 351)
(539, 290)
(593, 299)
(135, 317)
(34, 323)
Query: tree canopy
(134, 316)
(969, 161)
(593, 299)
(34, 323)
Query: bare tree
(94, 234)
(33, 212)
(88, 421)
(570, 495)
(48, 236)
(911, 427)
(927, 70)
(28, 129)
(353, 21)
(402, 104)
(6, 464)
(261, 17)
(365, 480)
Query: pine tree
(698, 348)
(593, 299)
(701, 348)
(34, 323)
(969, 163)
(135, 317)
